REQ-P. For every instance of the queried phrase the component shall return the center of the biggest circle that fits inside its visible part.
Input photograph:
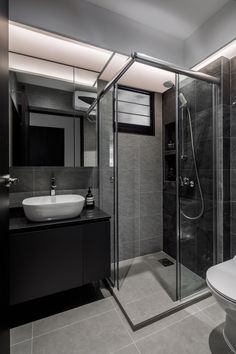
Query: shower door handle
(112, 179)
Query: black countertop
(18, 222)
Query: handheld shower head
(183, 100)
(168, 84)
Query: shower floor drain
(165, 262)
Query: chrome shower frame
(151, 61)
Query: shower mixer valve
(185, 181)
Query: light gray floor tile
(148, 288)
(138, 283)
(21, 333)
(206, 302)
(215, 313)
(130, 349)
(192, 336)
(158, 325)
(21, 348)
(149, 306)
(68, 317)
(101, 334)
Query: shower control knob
(191, 184)
(186, 181)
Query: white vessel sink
(53, 207)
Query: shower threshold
(148, 289)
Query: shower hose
(196, 172)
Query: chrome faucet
(53, 186)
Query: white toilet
(221, 279)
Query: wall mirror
(48, 124)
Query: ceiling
(179, 18)
(91, 62)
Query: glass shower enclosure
(160, 251)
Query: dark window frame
(136, 128)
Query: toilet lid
(222, 277)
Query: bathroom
(119, 207)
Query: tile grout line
(165, 327)
(21, 342)
(73, 323)
(117, 351)
(146, 296)
(31, 349)
(207, 317)
(132, 340)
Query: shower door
(196, 182)
(107, 171)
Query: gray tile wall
(233, 154)
(140, 190)
(35, 181)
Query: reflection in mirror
(48, 125)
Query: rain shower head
(168, 84)
(183, 100)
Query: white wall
(84, 21)
(219, 30)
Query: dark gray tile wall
(233, 153)
(35, 181)
(169, 187)
(197, 237)
(221, 69)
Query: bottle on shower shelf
(171, 174)
(171, 145)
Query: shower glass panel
(107, 169)
(158, 183)
(196, 115)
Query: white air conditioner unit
(82, 100)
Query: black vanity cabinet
(45, 261)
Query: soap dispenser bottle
(89, 199)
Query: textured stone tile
(206, 302)
(148, 306)
(129, 250)
(151, 245)
(21, 333)
(151, 180)
(128, 229)
(17, 198)
(150, 204)
(128, 156)
(25, 175)
(66, 318)
(192, 335)
(138, 282)
(157, 325)
(22, 348)
(215, 313)
(151, 227)
(102, 334)
(130, 349)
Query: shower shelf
(170, 152)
